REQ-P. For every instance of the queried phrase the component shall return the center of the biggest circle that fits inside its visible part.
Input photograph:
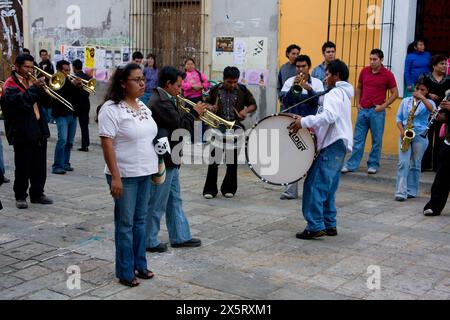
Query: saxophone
(409, 134)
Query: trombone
(52, 93)
(209, 117)
(88, 85)
(56, 81)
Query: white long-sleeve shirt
(334, 121)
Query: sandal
(147, 274)
(132, 283)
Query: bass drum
(277, 156)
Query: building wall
(52, 23)
(309, 30)
(251, 18)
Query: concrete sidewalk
(249, 247)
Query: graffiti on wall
(11, 21)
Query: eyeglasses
(137, 80)
(301, 66)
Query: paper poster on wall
(224, 44)
(73, 53)
(100, 56)
(109, 59)
(47, 44)
(89, 58)
(257, 53)
(126, 55)
(240, 51)
(257, 77)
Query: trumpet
(297, 87)
(209, 117)
(53, 94)
(56, 81)
(88, 85)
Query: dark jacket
(72, 94)
(168, 116)
(21, 125)
(83, 103)
(245, 98)
(47, 66)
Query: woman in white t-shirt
(127, 130)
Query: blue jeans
(319, 189)
(409, 167)
(146, 97)
(2, 163)
(367, 119)
(130, 212)
(67, 127)
(166, 198)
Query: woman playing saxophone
(412, 119)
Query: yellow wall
(306, 24)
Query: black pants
(30, 160)
(229, 184)
(83, 119)
(431, 156)
(441, 184)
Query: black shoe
(188, 244)
(42, 200)
(59, 171)
(6, 180)
(21, 204)
(308, 235)
(331, 232)
(160, 248)
(84, 149)
(68, 169)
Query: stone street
(249, 247)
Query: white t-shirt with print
(132, 133)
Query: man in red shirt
(373, 83)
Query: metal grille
(357, 27)
(170, 29)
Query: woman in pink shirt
(193, 85)
(194, 82)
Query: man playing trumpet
(27, 130)
(295, 90)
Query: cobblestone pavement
(249, 252)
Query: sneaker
(188, 244)
(21, 204)
(6, 180)
(411, 197)
(308, 235)
(430, 213)
(229, 195)
(372, 171)
(398, 198)
(59, 171)
(42, 200)
(331, 232)
(344, 170)
(208, 196)
(160, 248)
(284, 196)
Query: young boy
(409, 161)
(333, 128)
(441, 184)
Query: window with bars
(170, 29)
(357, 27)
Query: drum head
(276, 156)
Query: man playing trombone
(84, 106)
(27, 130)
(66, 121)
